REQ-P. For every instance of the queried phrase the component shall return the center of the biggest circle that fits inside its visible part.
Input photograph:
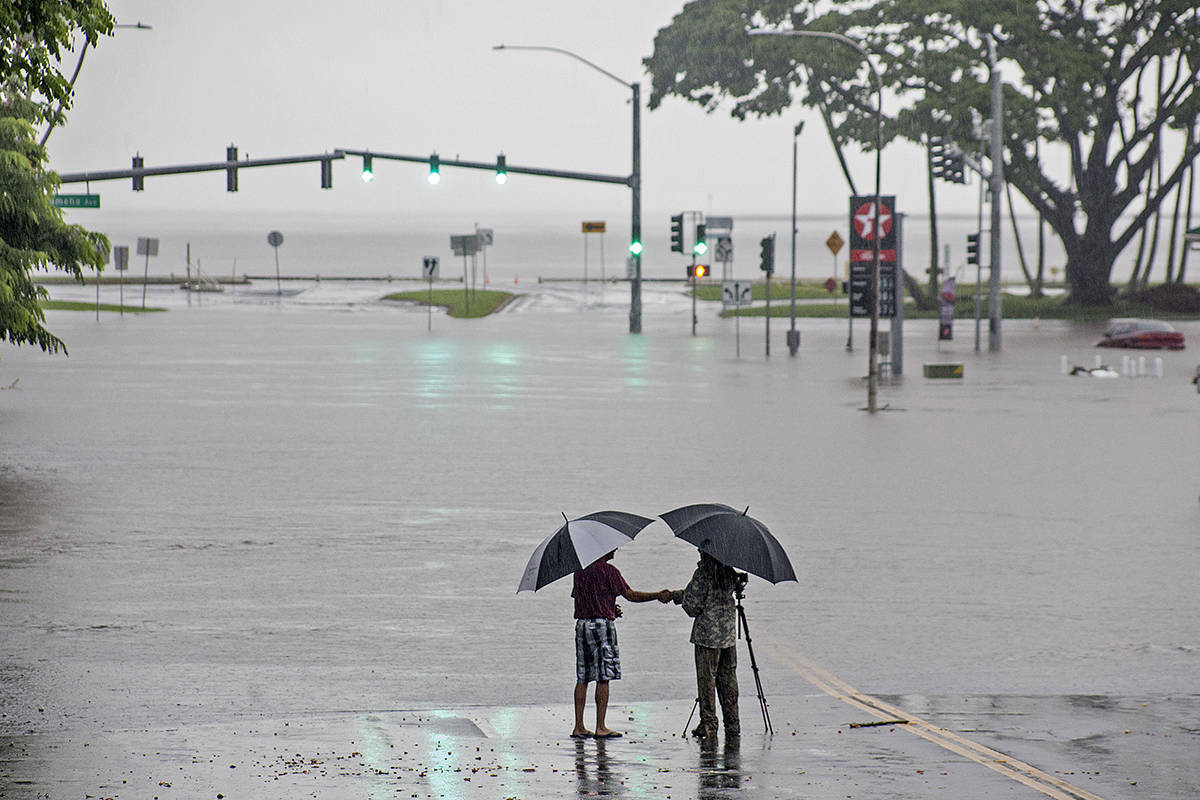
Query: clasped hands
(664, 596)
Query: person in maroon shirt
(597, 658)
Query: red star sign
(864, 220)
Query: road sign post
(121, 262)
(465, 245)
(834, 243)
(429, 268)
(735, 293)
(599, 227)
(275, 238)
(486, 237)
(146, 247)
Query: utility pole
(997, 179)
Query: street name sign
(76, 201)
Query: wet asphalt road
(243, 529)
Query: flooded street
(236, 511)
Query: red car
(1142, 334)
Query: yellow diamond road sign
(834, 243)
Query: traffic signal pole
(634, 181)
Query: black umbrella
(732, 537)
(577, 543)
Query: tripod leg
(695, 705)
(762, 701)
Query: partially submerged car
(1142, 334)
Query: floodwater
(293, 505)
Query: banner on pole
(946, 319)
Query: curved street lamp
(635, 181)
(872, 363)
(75, 75)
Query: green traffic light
(701, 248)
(368, 174)
(635, 248)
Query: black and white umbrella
(578, 543)
(732, 537)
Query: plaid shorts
(596, 655)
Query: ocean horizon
(528, 246)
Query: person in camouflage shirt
(709, 599)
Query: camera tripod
(744, 628)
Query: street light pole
(75, 75)
(872, 360)
(793, 334)
(635, 180)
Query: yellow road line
(1007, 766)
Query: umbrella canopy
(578, 543)
(732, 537)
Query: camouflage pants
(716, 677)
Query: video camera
(740, 580)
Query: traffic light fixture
(701, 246)
(972, 248)
(435, 169)
(231, 172)
(501, 170)
(368, 170)
(677, 233)
(946, 160)
(326, 173)
(955, 170)
(937, 153)
(767, 259)
(697, 270)
(139, 181)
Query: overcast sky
(418, 77)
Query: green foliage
(33, 234)
(33, 37)
(455, 301)
(1082, 76)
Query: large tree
(1108, 85)
(33, 91)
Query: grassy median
(463, 304)
(77, 305)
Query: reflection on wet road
(243, 511)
